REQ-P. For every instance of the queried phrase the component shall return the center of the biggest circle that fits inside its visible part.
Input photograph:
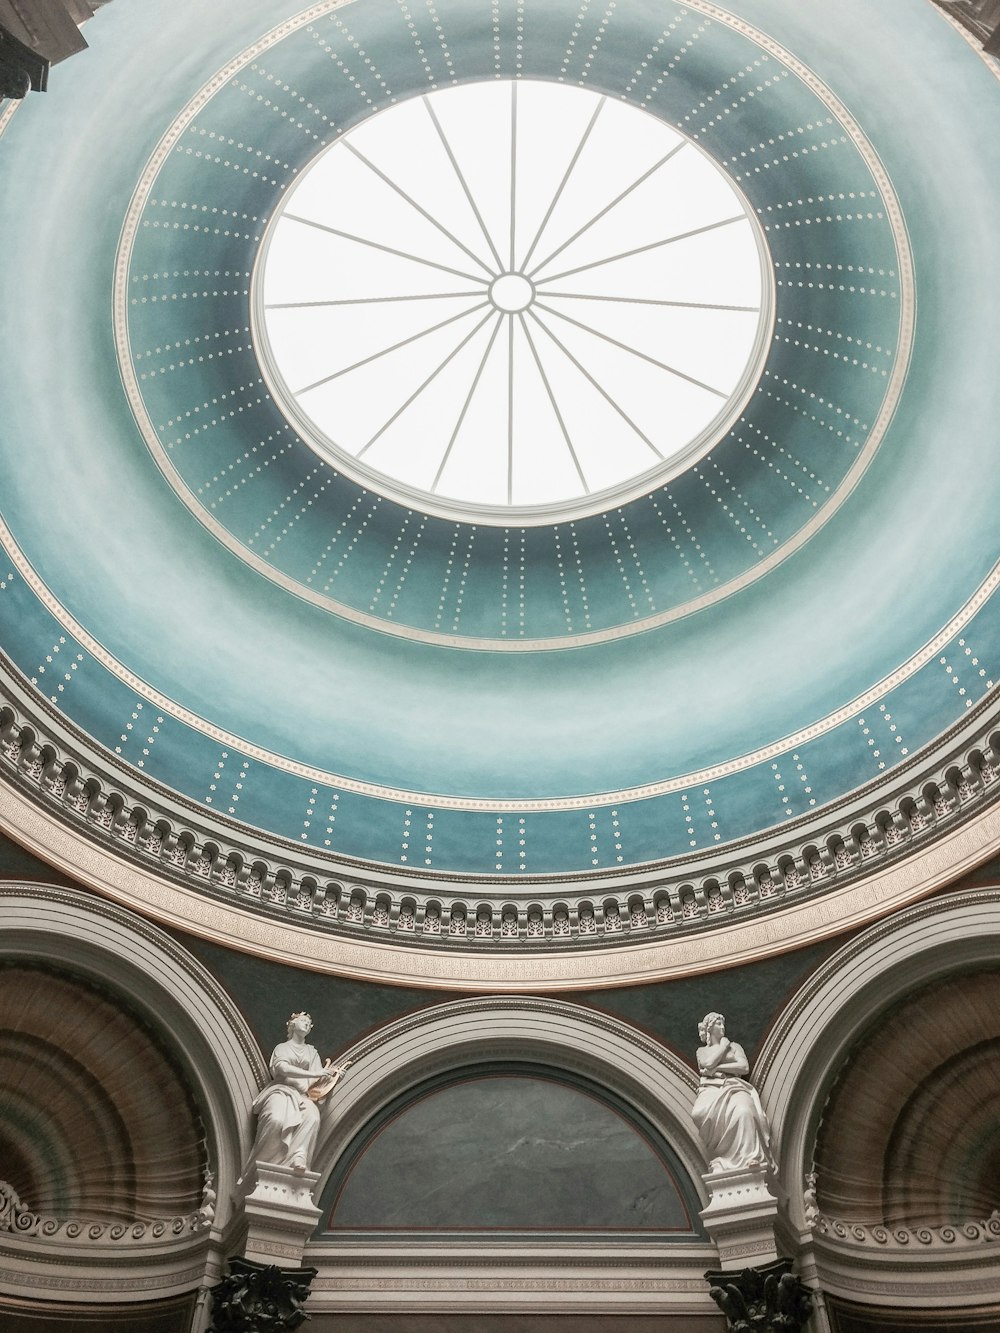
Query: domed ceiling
(513, 481)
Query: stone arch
(554, 1034)
(946, 937)
(173, 994)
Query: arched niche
(876, 971)
(467, 1152)
(533, 1039)
(881, 1073)
(112, 956)
(910, 1134)
(98, 1122)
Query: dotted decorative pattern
(212, 858)
(189, 271)
(918, 673)
(836, 364)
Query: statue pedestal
(741, 1216)
(280, 1213)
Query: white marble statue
(288, 1109)
(730, 1119)
(809, 1201)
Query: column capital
(768, 1299)
(259, 1298)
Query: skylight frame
(501, 327)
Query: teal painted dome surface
(794, 617)
(806, 431)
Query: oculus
(512, 301)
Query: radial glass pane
(512, 301)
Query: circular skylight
(512, 301)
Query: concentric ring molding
(915, 688)
(730, 944)
(945, 639)
(859, 399)
(640, 815)
(941, 821)
(526, 103)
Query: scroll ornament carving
(17, 1218)
(908, 1238)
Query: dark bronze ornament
(260, 1298)
(769, 1299)
(21, 69)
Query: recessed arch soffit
(943, 948)
(136, 986)
(426, 696)
(909, 1135)
(927, 1164)
(96, 1142)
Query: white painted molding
(378, 956)
(462, 1034)
(194, 1016)
(822, 1020)
(539, 1275)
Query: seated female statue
(727, 1110)
(288, 1113)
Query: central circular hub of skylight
(511, 293)
(512, 301)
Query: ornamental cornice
(851, 845)
(15, 1278)
(548, 1283)
(338, 1257)
(951, 1266)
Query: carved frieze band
(850, 843)
(910, 1238)
(18, 1219)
